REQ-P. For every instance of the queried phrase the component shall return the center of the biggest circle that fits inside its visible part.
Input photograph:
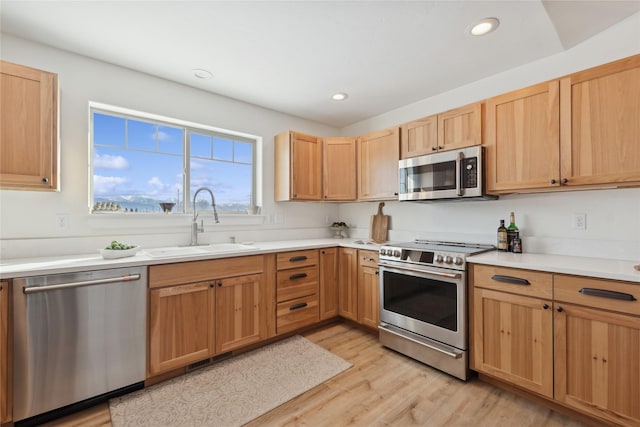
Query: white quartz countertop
(581, 266)
(24, 267)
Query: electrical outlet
(62, 221)
(579, 221)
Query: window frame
(188, 128)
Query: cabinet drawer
(297, 313)
(368, 258)
(296, 283)
(623, 297)
(294, 259)
(514, 280)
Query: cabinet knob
(45, 180)
(434, 148)
(440, 147)
(545, 306)
(559, 309)
(553, 181)
(565, 180)
(212, 285)
(219, 283)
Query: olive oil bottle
(512, 231)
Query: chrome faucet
(195, 228)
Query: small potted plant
(338, 228)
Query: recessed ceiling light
(484, 26)
(202, 74)
(341, 96)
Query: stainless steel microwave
(449, 175)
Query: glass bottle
(517, 244)
(512, 230)
(502, 237)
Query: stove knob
(457, 261)
(439, 258)
(448, 259)
(396, 253)
(383, 251)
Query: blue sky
(157, 171)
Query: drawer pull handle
(298, 258)
(298, 276)
(607, 294)
(509, 279)
(298, 306)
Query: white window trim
(153, 220)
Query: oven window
(434, 177)
(427, 300)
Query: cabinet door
(522, 139)
(597, 362)
(419, 137)
(369, 296)
(4, 354)
(28, 130)
(460, 127)
(238, 312)
(180, 326)
(600, 136)
(328, 283)
(339, 168)
(378, 156)
(348, 282)
(513, 339)
(306, 167)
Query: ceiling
(291, 56)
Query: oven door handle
(435, 273)
(421, 342)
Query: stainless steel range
(423, 302)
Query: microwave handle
(459, 158)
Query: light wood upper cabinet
(522, 139)
(513, 327)
(339, 168)
(600, 124)
(460, 127)
(348, 283)
(298, 167)
(378, 154)
(181, 329)
(450, 130)
(419, 137)
(5, 415)
(28, 128)
(328, 283)
(368, 289)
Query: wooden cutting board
(379, 225)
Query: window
(139, 161)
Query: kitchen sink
(176, 251)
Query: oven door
(428, 301)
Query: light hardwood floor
(384, 388)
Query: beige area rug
(232, 392)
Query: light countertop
(24, 267)
(581, 266)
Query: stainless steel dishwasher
(78, 337)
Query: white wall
(613, 216)
(28, 219)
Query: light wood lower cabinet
(328, 283)
(348, 283)
(368, 289)
(192, 317)
(597, 347)
(297, 290)
(579, 349)
(5, 413)
(181, 326)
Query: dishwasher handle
(36, 289)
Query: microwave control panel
(469, 172)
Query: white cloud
(163, 136)
(156, 182)
(107, 161)
(106, 184)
